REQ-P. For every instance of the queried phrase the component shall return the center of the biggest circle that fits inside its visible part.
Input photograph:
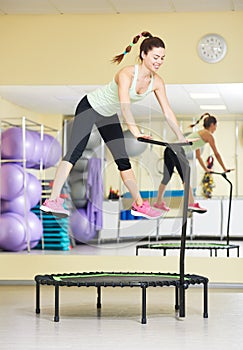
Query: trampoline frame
(181, 283)
(193, 246)
(102, 279)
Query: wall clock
(212, 48)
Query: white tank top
(105, 100)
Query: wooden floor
(117, 325)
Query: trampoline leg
(37, 290)
(205, 297)
(56, 317)
(177, 307)
(144, 319)
(99, 297)
(182, 302)
(238, 252)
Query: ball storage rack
(98, 279)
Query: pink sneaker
(161, 206)
(55, 207)
(195, 207)
(145, 210)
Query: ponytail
(118, 58)
(198, 121)
(210, 119)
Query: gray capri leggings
(174, 158)
(109, 129)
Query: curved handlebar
(219, 173)
(162, 143)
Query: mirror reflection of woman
(203, 137)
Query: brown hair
(146, 46)
(210, 119)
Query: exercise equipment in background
(22, 148)
(29, 146)
(133, 147)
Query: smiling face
(154, 58)
(213, 127)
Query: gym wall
(76, 49)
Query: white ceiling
(63, 99)
(11, 7)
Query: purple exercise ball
(12, 146)
(82, 229)
(33, 190)
(12, 233)
(11, 181)
(19, 205)
(34, 162)
(52, 151)
(35, 229)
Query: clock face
(212, 48)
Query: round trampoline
(120, 279)
(212, 247)
(143, 280)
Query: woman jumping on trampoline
(171, 161)
(100, 107)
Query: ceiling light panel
(213, 107)
(204, 95)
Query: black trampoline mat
(117, 277)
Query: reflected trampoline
(212, 247)
(209, 246)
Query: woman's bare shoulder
(158, 81)
(205, 135)
(127, 71)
